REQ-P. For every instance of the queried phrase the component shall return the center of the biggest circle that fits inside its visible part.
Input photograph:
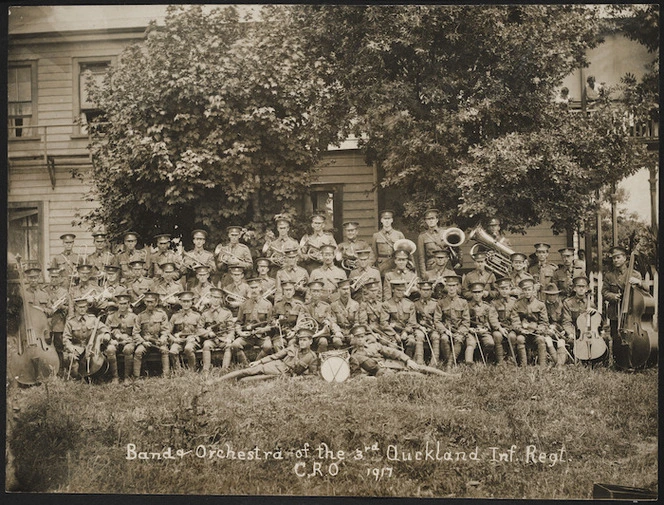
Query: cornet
(358, 282)
(226, 257)
(269, 293)
(233, 299)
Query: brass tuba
(403, 244)
(497, 254)
(454, 237)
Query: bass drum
(334, 366)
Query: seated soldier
(200, 288)
(111, 288)
(76, 335)
(425, 309)
(238, 291)
(398, 321)
(576, 305)
(452, 320)
(320, 311)
(168, 287)
(519, 272)
(86, 287)
(216, 328)
(151, 331)
(140, 284)
(555, 338)
(370, 310)
(268, 284)
(400, 272)
(296, 359)
(508, 320)
(438, 272)
(286, 311)
(533, 320)
(377, 359)
(480, 274)
(345, 308)
(184, 328)
(483, 319)
(121, 325)
(253, 324)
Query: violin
(34, 359)
(638, 338)
(588, 345)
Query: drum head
(335, 369)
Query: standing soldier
(508, 320)
(519, 272)
(363, 274)
(163, 255)
(383, 242)
(151, 331)
(238, 291)
(425, 310)
(67, 261)
(252, 325)
(130, 253)
(111, 287)
(287, 310)
(77, 331)
(234, 254)
(483, 323)
(216, 328)
(86, 287)
(481, 275)
(328, 273)
(533, 319)
(322, 313)
(101, 257)
(121, 326)
(202, 286)
(268, 284)
(140, 284)
(167, 287)
(398, 321)
(184, 327)
(440, 270)
(452, 320)
(275, 248)
(198, 256)
(346, 253)
(292, 272)
(58, 305)
(613, 288)
(400, 272)
(543, 270)
(310, 245)
(563, 276)
(493, 227)
(345, 309)
(432, 240)
(35, 294)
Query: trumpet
(410, 286)
(358, 282)
(270, 292)
(138, 300)
(233, 299)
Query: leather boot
(165, 364)
(541, 354)
(113, 367)
(207, 359)
(419, 352)
(521, 354)
(562, 358)
(226, 362)
(470, 351)
(137, 366)
(128, 365)
(191, 360)
(242, 357)
(499, 352)
(435, 352)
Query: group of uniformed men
(380, 301)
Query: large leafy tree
(455, 104)
(212, 120)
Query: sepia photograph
(309, 251)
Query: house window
(21, 99)
(24, 235)
(89, 110)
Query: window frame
(41, 227)
(34, 118)
(79, 129)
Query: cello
(34, 359)
(92, 361)
(588, 345)
(638, 337)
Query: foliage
(607, 421)
(454, 104)
(212, 121)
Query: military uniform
(428, 243)
(184, 328)
(347, 251)
(452, 315)
(139, 287)
(297, 275)
(509, 320)
(516, 278)
(192, 259)
(475, 276)
(425, 311)
(167, 291)
(252, 312)
(369, 314)
(533, 322)
(288, 311)
(127, 257)
(99, 260)
(322, 313)
(216, 327)
(543, 273)
(571, 309)
(121, 326)
(241, 291)
(371, 358)
(408, 276)
(365, 275)
(75, 336)
(66, 263)
(88, 289)
(398, 322)
(345, 313)
(57, 294)
(151, 330)
(562, 278)
(330, 276)
(159, 258)
(382, 245)
(315, 241)
(483, 320)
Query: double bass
(34, 359)
(638, 337)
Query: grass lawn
(503, 433)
